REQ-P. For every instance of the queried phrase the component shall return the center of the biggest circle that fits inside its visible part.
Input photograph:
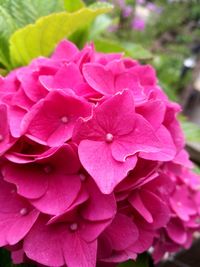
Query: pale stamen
(109, 138)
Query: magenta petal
(65, 51)
(16, 115)
(137, 204)
(62, 191)
(51, 120)
(90, 231)
(77, 252)
(146, 74)
(129, 236)
(121, 256)
(145, 238)
(16, 215)
(114, 113)
(168, 149)
(67, 76)
(153, 112)
(99, 78)
(177, 231)
(109, 117)
(106, 171)
(182, 203)
(157, 208)
(129, 81)
(30, 181)
(4, 129)
(43, 245)
(21, 227)
(142, 138)
(17, 256)
(151, 208)
(29, 82)
(99, 206)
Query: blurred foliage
(21, 40)
(72, 6)
(15, 14)
(40, 39)
(191, 130)
(130, 50)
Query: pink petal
(137, 204)
(67, 76)
(77, 252)
(30, 84)
(99, 206)
(51, 120)
(168, 149)
(151, 208)
(142, 138)
(110, 117)
(176, 231)
(65, 51)
(182, 203)
(106, 171)
(90, 231)
(16, 215)
(146, 74)
(21, 227)
(16, 115)
(61, 192)
(31, 182)
(145, 238)
(4, 130)
(153, 112)
(129, 81)
(43, 245)
(129, 229)
(99, 78)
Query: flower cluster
(93, 166)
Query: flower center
(47, 169)
(73, 226)
(24, 211)
(179, 204)
(1, 137)
(82, 177)
(109, 138)
(64, 119)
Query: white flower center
(82, 177)
(23, 211)
(73, 226)
(109, 138)
(47, 169)
(64, 119)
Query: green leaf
(142, 261)
(15, 14)
(73, 5)
(132, 50)
(197, 169)
(40, 39)
(26, 12)
(100, 24)
(4, 53)
(191, 130)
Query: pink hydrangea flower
(93, 169)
